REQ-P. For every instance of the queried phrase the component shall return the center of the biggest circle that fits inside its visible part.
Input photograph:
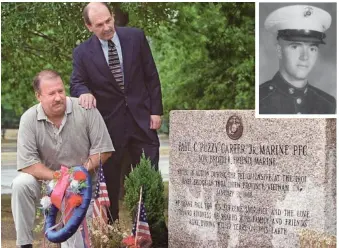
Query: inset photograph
(297, 58)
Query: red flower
(74, 201)
(129, 241)
(79, 175)
(56, 174)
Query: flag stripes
(101, 202)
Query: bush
(153, 196)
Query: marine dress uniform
(277, 96)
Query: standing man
(114, 71)
(55, 132)
(300, 30)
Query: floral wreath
(70, 192)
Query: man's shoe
(26, 246)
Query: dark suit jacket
(91, 74)
(277, 96)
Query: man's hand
(93, 161)
(87, 101)
(155, 122)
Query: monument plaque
(238, 181)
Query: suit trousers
(26, 195)
(135, 142)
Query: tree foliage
(36, 36)
(204, 51)
(206, 57)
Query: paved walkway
(8, 163)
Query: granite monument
(237, 181)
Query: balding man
(114, 71)
(300, 30)
(55, 132)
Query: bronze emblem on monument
(234, 127)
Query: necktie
(114, 64)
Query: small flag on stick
(141, 235)
(101, 202)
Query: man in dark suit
(114, 71)
(299, 30)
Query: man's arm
(100, 139)
(153, 84)
(39, 171)
(78, 85)
(94, 160)
(151, 77)
(28, 157)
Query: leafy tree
(36, 36)
(42, 35)
(206, 57)
(9, 118)
(204, 51)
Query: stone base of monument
(237, 181)
(309, 239)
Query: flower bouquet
(70, 192)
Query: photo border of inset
(257, 115)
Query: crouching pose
(55, 132)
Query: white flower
(45, 202)
(75, 184)
(104, 239)
(51, 184)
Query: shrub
(153, 196)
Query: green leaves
(206, 60)
(153, 190)
(204, 51)
(153, 196)
(36, 36)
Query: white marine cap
(299, 22)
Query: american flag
(140, 229)
(101, 203)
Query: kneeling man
(55, 132)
